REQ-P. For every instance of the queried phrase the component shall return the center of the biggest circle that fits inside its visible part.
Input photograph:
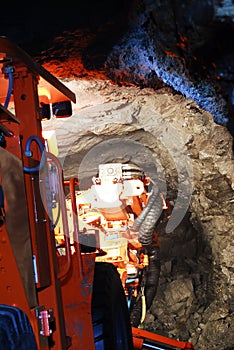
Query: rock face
(179, 145)
(149, 43)
(151, 49)
(182, 45)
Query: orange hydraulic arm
(143, 340)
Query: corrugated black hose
(145, 224)
(152, 274)
(146, 221)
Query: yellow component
(143, 314)
(145, 260)
(51, 141)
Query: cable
(29, 153)
(9, 70)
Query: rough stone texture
(184, 45)
(180, 146)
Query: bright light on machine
(44, 93)
(50, 141)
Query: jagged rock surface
(181, 147)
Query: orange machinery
(49, 300)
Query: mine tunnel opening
(167, 134)
(186, 284)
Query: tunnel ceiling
(184, 45)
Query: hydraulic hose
(152, 274)
(151, 280)
(139, 220)
(146, 221)
(28, 152)
(145, 224)
(9, 71)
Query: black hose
(147, 225)
(136, 312)
(150, 282)
(152, 274)
(139, 220)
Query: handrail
(72, 183)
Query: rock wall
(181, 148)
